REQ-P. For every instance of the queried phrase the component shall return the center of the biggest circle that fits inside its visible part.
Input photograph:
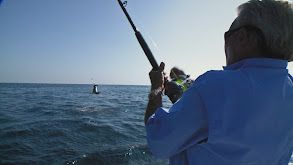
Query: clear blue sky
(73, 41)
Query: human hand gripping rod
(140, 39)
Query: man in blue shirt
(242, 114)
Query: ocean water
(67, 124)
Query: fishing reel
(175, 88)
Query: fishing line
(178, 89)
(93, 81)
(149, 38)
(174, 74)
(141, 26)
(171, 61)
(154, 43)
(140, 38)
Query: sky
(75, 42)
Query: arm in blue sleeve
(185, 124)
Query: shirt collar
(259, 63)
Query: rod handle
(147, 51)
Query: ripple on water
(120, 155)
(55, 124)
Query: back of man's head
(275, 19)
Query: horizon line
(68, 83)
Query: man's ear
(243, 37)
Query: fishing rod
(140, 39)
(176, 87)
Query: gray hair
(275, 20)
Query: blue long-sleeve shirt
(245, 111)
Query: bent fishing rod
(140, 39)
